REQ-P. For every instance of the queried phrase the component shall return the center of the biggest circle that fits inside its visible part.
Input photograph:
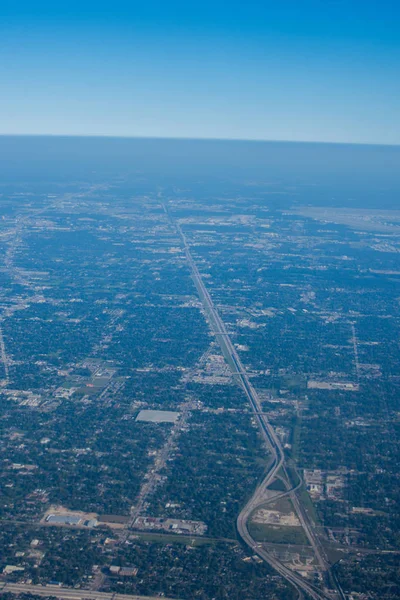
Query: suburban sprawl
(199, 392)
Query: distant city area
(199, 390)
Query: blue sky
(312, 70)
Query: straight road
(68, 593)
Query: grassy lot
(277, 535)
(165, 538)
(308, 505)
(277, 485)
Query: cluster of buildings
(178, 526)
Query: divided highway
(64, 593)
(277, 461)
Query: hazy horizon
(195, 139)
(316, 173)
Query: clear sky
(309, 70)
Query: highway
(277, 461)
(68, 593)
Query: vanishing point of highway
(277, 461)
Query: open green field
(277, 485)
(283, 505)
(308, 505)
(181, 539)
(277, 535)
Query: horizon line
(195, 139)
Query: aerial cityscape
(199, 381)
(200, 300)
